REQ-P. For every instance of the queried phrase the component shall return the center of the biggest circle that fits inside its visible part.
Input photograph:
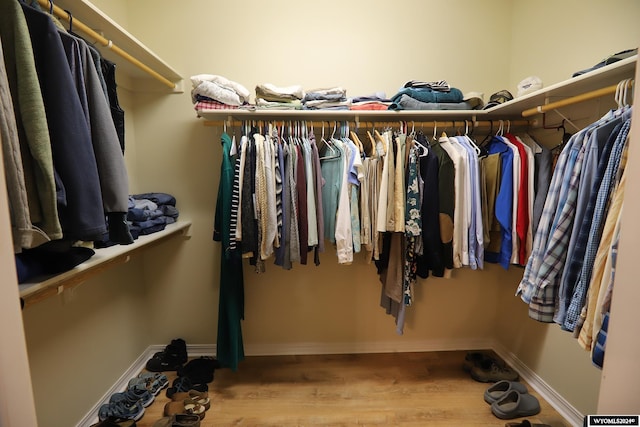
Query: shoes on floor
(152, 381)
(477, 358)
(515, 405)
(499, 389)
(171, 358)
(200, 397)
(490, 371)
(182, 384)
(121, 410)
(178, 420)
(186, 406)
(200, 370)
(132, 395)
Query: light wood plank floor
(395, 389)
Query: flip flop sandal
(158, 381)
(499, 389)
(187, 406)
(200, 397)
(515, 405)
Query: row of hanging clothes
(413, 204)
(62, 133)
(570, 274)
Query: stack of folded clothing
(270, 97)
(151, 212)
(375, 101)
(334, 98)
(418, 95)
(148, 213)
(211, 92)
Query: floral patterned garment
(413, 225)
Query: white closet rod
(78, 25)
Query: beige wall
(553, 39)
(172, 290)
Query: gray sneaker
(491, 372)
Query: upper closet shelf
(138, 68)
(33, 292)
(573, 87)
(356, 115)
(594, 82)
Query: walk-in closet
(71, 340)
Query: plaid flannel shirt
(595, 232)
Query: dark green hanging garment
(230, 349)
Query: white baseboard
(561, 405)
(136, 367)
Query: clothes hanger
(383, 143)
(70, 19)
(335, 154)
(471, 141)
(423, 150)
(372, 142)
(489, 135)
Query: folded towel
(428, 95)
(270, 92)
(241, 91)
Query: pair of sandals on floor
(511, 399)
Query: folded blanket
(332, 93)
(429, 95)
(370, 105)
(217, 93)
(237, 88)
(262, 104)
(376, 96)
(206, 106)
(269, 92)
(327, 103)
(405, 102)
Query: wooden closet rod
(61, 13)
(571, 100)
(410, 123)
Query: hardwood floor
(391, 389)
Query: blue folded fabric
(428, 95)
(157, 198)
(408, 103)
(135, 214)
(161, 220)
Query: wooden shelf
(33, 292)
(131, 76)
(597, 79)
(351, 115)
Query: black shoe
(171, 358)
(491, 372)
(199, 370)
